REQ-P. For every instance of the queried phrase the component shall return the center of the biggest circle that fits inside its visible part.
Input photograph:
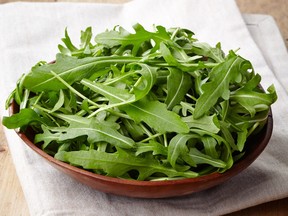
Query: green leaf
(201, 158)
(227, 135)
(254, 101)
(116, 96)
(86, 38)
(133, 129)
(148, 79)
(241, 122)
(47, 137)
(25, 117)
(206, 50)
(156, 115)
(178, 84)
(121, 37)
(177, 148)
(241, 139)
(119, 163)
(207, 123)
(17, 94)
(218, 87)
(94, 130)
(68, 68)
(210, 144)
(155, 147)
(68, 43)
(60, 102)
(167, 55)
(72, 50)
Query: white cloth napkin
(31, 31)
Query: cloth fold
(31, 31)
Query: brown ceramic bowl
(156, 189)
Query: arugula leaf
(121, 37)
(252, 100)
(67, 41)
(218, 87)
(47, 137)
(86, 37)
(241, 139)
(70, 69)
(94, 130)
(135, 130)
(60, 101)
(23, 118)
(210, 144)
(156, 115)
(149, 75)
(177, 147)
(201, 158)
(118, 163)
(155, 147)
(114, 94)
(72, 50)
(117, 95)
(178, 84)
(207, 123)
(206, 50)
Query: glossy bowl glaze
(155, 189)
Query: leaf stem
(119, 114)
(38, 99)
(73, 90)
(81, 113)
(108, 108)
(48, 112)
(109, 82)
(136, 84)
(191, 97)
(164, 64)
(174, 33)
(42, 108)
(252, 129)
(165, 140)
(25, 99)
(151, 137)
(148, 133)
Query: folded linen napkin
(30, 32)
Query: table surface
(12, 198)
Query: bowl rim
(234, 170)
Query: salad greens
(144, 105)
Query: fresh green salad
(147, 105)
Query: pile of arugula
(144, 105)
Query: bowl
(155, 189)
